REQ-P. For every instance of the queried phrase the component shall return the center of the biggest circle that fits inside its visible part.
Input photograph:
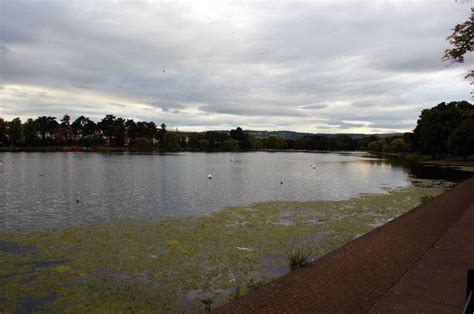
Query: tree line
(444, 130)
(118, 132)
(110, 131)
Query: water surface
(43, 190)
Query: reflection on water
(42, 190)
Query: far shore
(101, 149)
(467, 164)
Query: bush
(207, 305)
(426, 198)
(254, 285)
(298, 260)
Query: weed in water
(207, 304)
(298, 260)
(426, 198)
(254, 285)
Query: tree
(173, 142)
(376, 146)
(65, 129)
(215, 140)
(344, 142)
(462, 41)
(131, 129)
(461, 140)
(434, 126)
(84, 129)
(398, 145)
(46, 126)
(3, 132)
(120, 132)
(255, 143)
(14, 131)
(162, 134)
(237, 134)
(204, 144)
(146, 130)
(231, 145)
(108, 127)
(30, 132)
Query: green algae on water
(173, 264)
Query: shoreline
(107, 149)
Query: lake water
(44, 190)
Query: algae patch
(171, 265)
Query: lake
(152, 233)
(44, 190)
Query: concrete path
(415, 263)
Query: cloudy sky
(319, 66)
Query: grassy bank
(171, 265)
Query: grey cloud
(256, 111)
(314, 107)
(344, 125)
(363, 104)
(254, 61)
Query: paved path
(415, 263)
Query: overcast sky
(319, 66)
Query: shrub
(426, 198)
(298, 260)
(254, 285)
(207, 304)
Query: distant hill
(297, 135)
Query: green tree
(3, 132)
(398, 145)
(434, 126)
(461, 140)
(131, 129)
(76, 127)
(376, 146)
(163, 137)
(65, 132)
(231, 145)
(462, 41)
(30, 132)
(173, 142)
(237, 134)
(215, 140)
(108, 127)
(14, 132)
(275, 142)
(84, 130)
(120, 132)
(46, 126)
(147, 130)
(255, 143)
(204, 145)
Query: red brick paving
(415, 263)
